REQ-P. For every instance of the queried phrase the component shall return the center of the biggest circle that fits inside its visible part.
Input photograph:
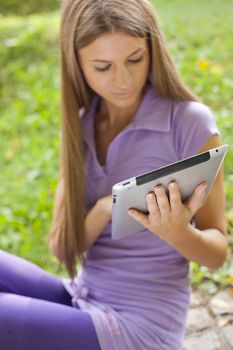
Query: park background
(199, 35)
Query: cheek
(144, 69)
(96, 80)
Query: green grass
(30, 127)
(17, 7)
(29, 123)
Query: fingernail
(172, 184)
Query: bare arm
(207, 243)
(95, 220)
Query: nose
(123, 78)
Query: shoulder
(191, 111)
(193, 123)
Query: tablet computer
(188, 173)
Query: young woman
(125, 111)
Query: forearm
(207, 247)
(95, 221)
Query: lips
(125, 93)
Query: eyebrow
(98, 60)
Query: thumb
(197, 199)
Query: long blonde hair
(83, 21)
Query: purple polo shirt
(137, 289)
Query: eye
(136, 61)
(104, 69)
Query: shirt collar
(153, 114)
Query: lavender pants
(36, 311)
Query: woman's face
(116, 67)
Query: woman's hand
(168, 217)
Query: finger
(138, 216)
(175, 196)
(197, 199)
(162, 200)
(152, 205)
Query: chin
(124, 101)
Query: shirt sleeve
(193, 125)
